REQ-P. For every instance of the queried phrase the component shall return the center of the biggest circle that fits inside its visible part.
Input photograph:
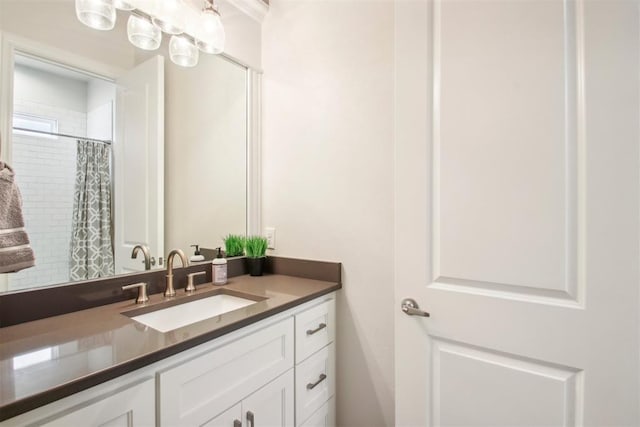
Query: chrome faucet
(170, 291)
(145, 251)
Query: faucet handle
(191, 287)
(142, 291)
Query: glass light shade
(123, 5)
(183, 52)
(169, 16)
(142, 33)
(210, 35)
(97, 14)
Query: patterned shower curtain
(91, 246)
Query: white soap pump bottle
(197, 256)
(219, 265)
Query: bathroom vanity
(271, 362)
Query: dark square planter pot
(255, 266)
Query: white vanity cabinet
(218, 388)
(278, 372)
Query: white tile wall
(45, 172)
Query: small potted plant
(255, 249)
(234, 245)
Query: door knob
(410, 307)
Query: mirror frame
(11, 43)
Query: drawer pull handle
(237, 423)
(311, 386)
(320, 327)
(250, 419)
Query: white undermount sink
(177, 316)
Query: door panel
(505, 118)
(521, 388)
(517, 207)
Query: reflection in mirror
(54, 111)
(203, 193)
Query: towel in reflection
(15, 251)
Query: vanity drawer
(315, 382)
(199, 389)
(315, 328)
(323, 417)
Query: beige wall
(328, 175)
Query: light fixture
(209, 34)
(169, 16)
(183, 51)
(142, 33)
(97, 14)
(192, 30)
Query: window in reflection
(34, 123)
(34, 357)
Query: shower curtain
(91, 245)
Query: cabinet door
(133, 406)
(272, 405)
(230, 418)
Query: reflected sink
(177, 316)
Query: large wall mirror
(176, 142)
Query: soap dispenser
(219, 266)
(197, 256)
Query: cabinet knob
(250, 419)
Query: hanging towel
(15, 252)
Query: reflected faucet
(147, 255)
(170, 291)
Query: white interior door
(517, 208)
(139, 164)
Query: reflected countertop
(44, 360)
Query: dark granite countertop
(45, 360)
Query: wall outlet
(270, 234)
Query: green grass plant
(234, 245)
(255, 246)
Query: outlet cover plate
(270, 234)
